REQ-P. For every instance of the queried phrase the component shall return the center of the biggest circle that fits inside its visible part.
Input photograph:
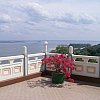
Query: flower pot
(57, 78)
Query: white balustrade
(11, 69)
(14, 69)
(86, 68)
(31, 63)
(34, 65)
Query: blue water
(11, 48)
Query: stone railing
(26, 64)
(34, 62)
(11, 67)
(87, 66)
(17, 66)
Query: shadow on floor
(87, 83)
(43, 83)
(48, 83)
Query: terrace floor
(41, 88)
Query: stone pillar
(99, 66)
(46, 50)
(70, 53)
(46, 46)
(71, 50)
(25, 69)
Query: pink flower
(60, 63)
(59, 60)
(71, 80)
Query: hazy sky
(49, 19)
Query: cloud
(30, 20)
(75, 19)
(31, 13)
(37, 13)
(86, 19)
(4, 18)
(4, 27)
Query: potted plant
(61, 64)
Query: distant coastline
(14, 47)
(11, 41)
(61, 41)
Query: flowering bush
(60, 63)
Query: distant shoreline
(70, 41)
(14, 47)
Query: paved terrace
(42, 89)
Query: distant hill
(80, 49)
(80, 45)
(91, 51)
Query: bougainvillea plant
(61, 64)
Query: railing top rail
(84, 56)
(36, 54)
(12, 57)
(42, 54)
(54, 53)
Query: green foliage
(80, 45)
(78, 59)
(90, 51)
(82, 49)
(60, 49)
(92, 61)
(81, 52)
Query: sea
(13, 47)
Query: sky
(50, 20)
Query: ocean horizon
(13, 47)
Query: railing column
(70, 53)
(99, 66)
(25, 61)
(46, 50)
(71, 50)
(46, 46)
(11, 61)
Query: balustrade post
(71, 50)
(99, 66)
(0, 62)
(46, 50)
(11, 61)
(70, 53)
(25, 69)
(46, 46)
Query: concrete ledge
(81, 78)
(86, 79)
(19, 79)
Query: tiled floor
(42, 89)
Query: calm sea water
(10, 48)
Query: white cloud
(34, 12)
(4, 18)
(29, 18)
(38, 13)
(71, 18)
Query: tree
(60, 49)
